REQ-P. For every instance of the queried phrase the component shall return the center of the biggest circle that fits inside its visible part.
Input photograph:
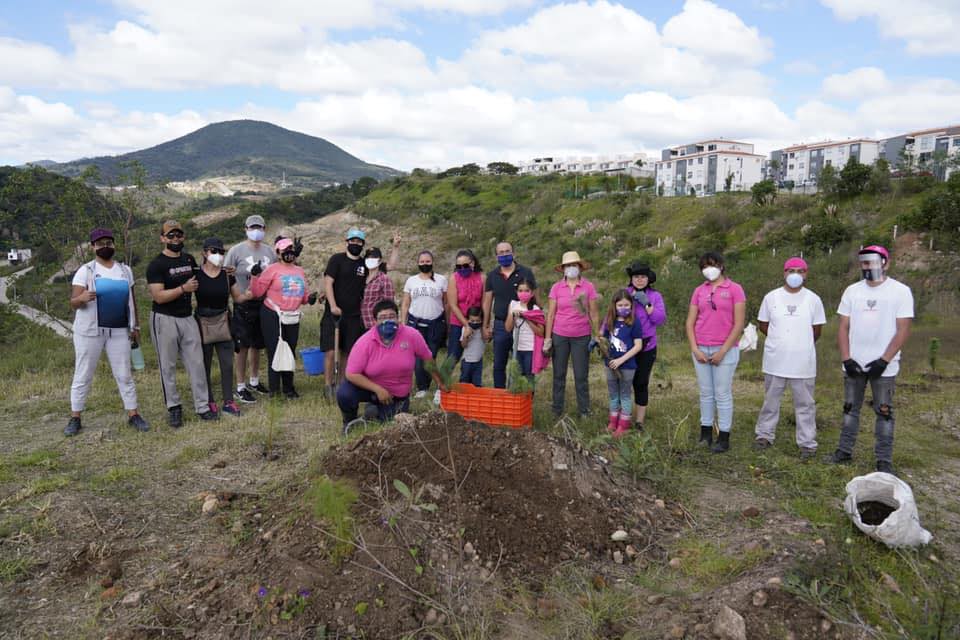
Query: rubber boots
(706, 436)
(722, 443)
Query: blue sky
(439, 82)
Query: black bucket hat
(642, 269)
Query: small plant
(519, 383)
(443, 370)
(295, 605)
(933, 349)
(331, 501)
(413, 499)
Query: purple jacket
(650, 321)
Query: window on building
(669, 164)
(689, 174)
(711, 147)
(699, 160)
(801, 165)
(828, 162)
(790, 167)
(956, 142)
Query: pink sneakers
(614, 422)
(623, 425)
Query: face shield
(871, 266)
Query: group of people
(385, 349)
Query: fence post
(894, 233)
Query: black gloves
(852, 368)
(876, 368)
(312, 298)
(297, 247)
(256, 269)
(641, 298)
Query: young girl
(625, 338)
(472, 345)
(529, 327)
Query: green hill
(239, 147)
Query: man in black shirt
(500, 289)
(344, 281)
(171, 280)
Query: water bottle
(136, 356)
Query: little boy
(471, 367)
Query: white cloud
(857, 84)
(801, 68)
(705, 28)
(929, 27)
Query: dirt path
(34, 315)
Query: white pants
(804, 406)
(88, 349)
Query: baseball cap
(171, 225)
(356, 233)
(213, 243)
(283, 243)
(795, 263)
(99, 233)
(255, 221)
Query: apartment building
(802, 163)
(703, 168)
(920, 147)
(625, 164)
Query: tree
(728, 181)
(363, 186)
(853, 178)
(827, 179)
(502, 169)
(879, 177)
(775, 169)
(938, 163)
(763, 192)
(905, 162)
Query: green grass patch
(119, 479)
(709, 564)
(45, 458)
(188, 455)
(331, 502)
(12, 569)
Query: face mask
(354, 249)
(105, 253)
(387, 330)
(794, 280)
(288, 257)
(425, 268)
(875, 271)
(711, 273)
(571, 272)
(475, 325)
(372, 263)
(524, 296)
(505, 261)
(215, 259)
(623, 312)
(255, 234)
(464, 271)
(175, 247)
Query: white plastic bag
(283, 359)
(902, 527)
(748, 341)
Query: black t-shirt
(505, 289)
(171, 273)
(213, 293)
(349, 280)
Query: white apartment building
(704, 167)
(921, 146)
(624, 163)
(802, 163)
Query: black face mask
(475, 325)
(175, 247)
(105, 253)
(355, 249)
(425, 268)
(288, 257)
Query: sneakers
(209, 415)
(175, 416)
(839, 457)
(259, 387)
(807, 454)
(420, 394)
(885, 466)
(291, 394)
(638, 427)
(213, 407)
(436, 397)
(231, 407)
(73, 427)
(623, 426)
(722, 444)
(244, 396)
(137, 422)
(761, 443)
(613, 422)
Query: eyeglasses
(173, 235)
(214, 250)
(713, 305)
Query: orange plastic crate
(495, 407)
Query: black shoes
(259, 388)
(137, 422)
(706, 436)
(839, 457)
(73, 427)
(722, 444)
(175, 416)
(807, 454)
(209, 415)
(760, 444)
(885, 466)
(244, 396)
(291, 394)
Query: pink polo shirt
(390, 367)
(714, 325)
(572, 319)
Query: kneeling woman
(380, 366)
(285, 286)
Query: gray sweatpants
(854, 389)
(804, 407)
(116, 342)
(174, 336)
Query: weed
(45, 458)
(705, 561)
(121, 480)
(12, 569)
(331, 501)
(187, 455)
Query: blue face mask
(505, 261)
(465, 271)
(387, 330)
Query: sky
(437, 83)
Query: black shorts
(246, 325)
(351, 328)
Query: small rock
(599, 582)
(133, 599)
(268, 536)
(819, 542)
(660, 504)
(675, 563)
(631, 551)
(750, 512)
(219, 464)
(790, 636)
(111, 567)
(678, 632)
(700, 628)
(210, 506)
(106, 582)
(655, 599)
(618, 557)
(469, 551)
(760, 598)
(237, 527)
(619, 535)
(431, 618)
(825, 626)
(891, 584)
(110, 594)
(634, 533)
(775, 581)
(729, 625)
(934, 559)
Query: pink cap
(282, 244)
(795, 263)
(875, 248)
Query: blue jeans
(525, 358)
(502, 345)
(854, 388)
(620, 387)
(349, 397)
(454, 349)
(472, 372)
(432, 332)
(716, 387)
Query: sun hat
(569, 257)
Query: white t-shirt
(789, 350)
(873, 313)
(426, 296)
(524, 333)
(114, 286)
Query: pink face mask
(524, 296)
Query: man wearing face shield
(875, 317)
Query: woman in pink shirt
(464, 290)
(285, 286)
(572, 318)
(714, 324)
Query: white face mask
(711, 273)
(794, 280)
(255, 234)
(571, 272)
(215, 259)
(372, 263)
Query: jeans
(854, 389)
(454, 348)
(432, 332)
(349, 397)
(716, 387)
(225, 358)
(502, 345)
(620, 386)
(472, 372)
(563, 349)
(804, 408)
(525, 358)
(641, 380)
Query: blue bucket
(312, 361)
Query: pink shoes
(623, 425)
(614, 422)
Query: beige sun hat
(569, 257)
